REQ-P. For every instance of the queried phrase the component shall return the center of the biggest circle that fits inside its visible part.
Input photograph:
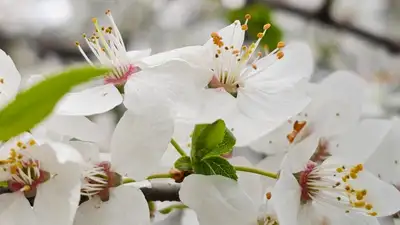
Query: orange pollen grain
(268, 195)
(281, 44)
(280, 55)
(260, 35)
(245, 27)
(267, 26)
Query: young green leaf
(34, 104)
(183, 163)
(224, 147)
(215, 165)
(210, 136)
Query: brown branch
(157, 192)
(323, 16)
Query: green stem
(172, 207)
(127, 180)
(3, 183)
(159, 175)
(178, 148)
(256, 171)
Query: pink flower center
(120, 75)
(303, 181)
(99, 180)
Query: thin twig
(157, 192)
(323, 16)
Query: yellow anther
(353, 175)
(19, 156)
(254, 66)
(359, 204)
(268, 195)
(347, 188)
(364, 192)
(259, 54)
(219, 51)
(2, 80)
(19, 144)
(32, 142)
(13, 153)
(245, 27)
(281, 44)
(77, 43)
(247, 16)
(280, 55)
(244, 47)
(339, 170)
(344, 179)
(84, 35)
(214, 34)
(360, 167)
(359, 196)
(260, 35)
(267, 26)
(372, 213)
(23, 147)
(94, 20)
(26, 188)
(19, 165)
(108, 12)
(13, 169)
(368, 207)
(235, 51)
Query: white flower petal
(213, 104)
(126, 205)
(337, 104)
(274, 141)
(360, 142)
(78, 127)
(135, 56)
(271, 163)
(90, 101)
(52, 154)
(217, 200)
(15, 209)
(286, 198)
(63, 191)
(300, 153)
(182, 135)
(139, 142)
(10, 78)
(297, 64)
(88, 151)
(189, 217)
(385, 160)
(388, 220)
(385, 198)
(176, 81)
(246, 129)
(196, 55)
(250, 182)
(232, 35)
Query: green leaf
(215, 166)
(211, 135)
(183, 163)
(34, 104)
(224, 147)
(260, 15)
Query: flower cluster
(186, 109)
